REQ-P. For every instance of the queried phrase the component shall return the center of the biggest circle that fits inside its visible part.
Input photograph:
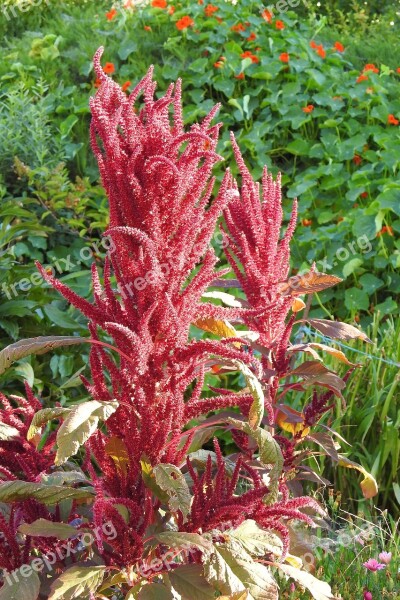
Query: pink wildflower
(385, 557)
(373, 565)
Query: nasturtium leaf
(45, 528)
(370, 283)
(26, 588)
(172, 482)
(369, 487)
(38, 345)
(189, 582)
(356, 299)
(78, 426)
(17, 491)
(77, 582)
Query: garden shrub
(127, 469)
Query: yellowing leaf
(291, 420)
(320, 590)
(41, 418)
(310, 282)
(298, 305)
(221, 328)
(17, 491)
(294, 561)
(369, 486)
(171, 480)
(256, 412)
(117, 450)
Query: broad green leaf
(320, 590)
(39, 345)
(256, 412)
(27, 588)
(189, 582)
(77, 582)
(152, 591)
(45, 528)
(230, 569)
(171, 480)
(356, 299)
(80, 423)
(183, 540)
(17, 491)
(255, 540)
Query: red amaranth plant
(145, 473)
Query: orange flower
(240, 76)
(392, 120)
(338, 46)
(201, 2)
(313, 45)
(249, 54)
(171, 10)
(147, 28)
(252, 37)
(184, 23)
(125, 86)
(308, 109)
(385, 229)
(238, 27)
(210, 10)
(111, 14)
(279, 24)
(398, 70)
(370, 67)
(109, 68)
(159, 3)
(267, 15)
(284, 57)
(306, 222)
(357, 160)
(321, 51)
(361, 78)
(219, 64)
(364, 195)
(97, 83)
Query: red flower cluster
(284, 57)
(209, 10)
(248, 54)
(184, 23)
(320, 50)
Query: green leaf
(189, 582)
(256, 412)
(184, 540)
(255, 540)
(152, 591)
(27, 588)
(67, 125)
(299, 147)
(77, 582)
(231, 569)
(351, 266)
(79, 425)
(39, 345)
(390, 200)
(171, 480)
(128, 46)
(270, 452)
(45, 528)
(356, 299)
(370, 283)
(17, 491)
